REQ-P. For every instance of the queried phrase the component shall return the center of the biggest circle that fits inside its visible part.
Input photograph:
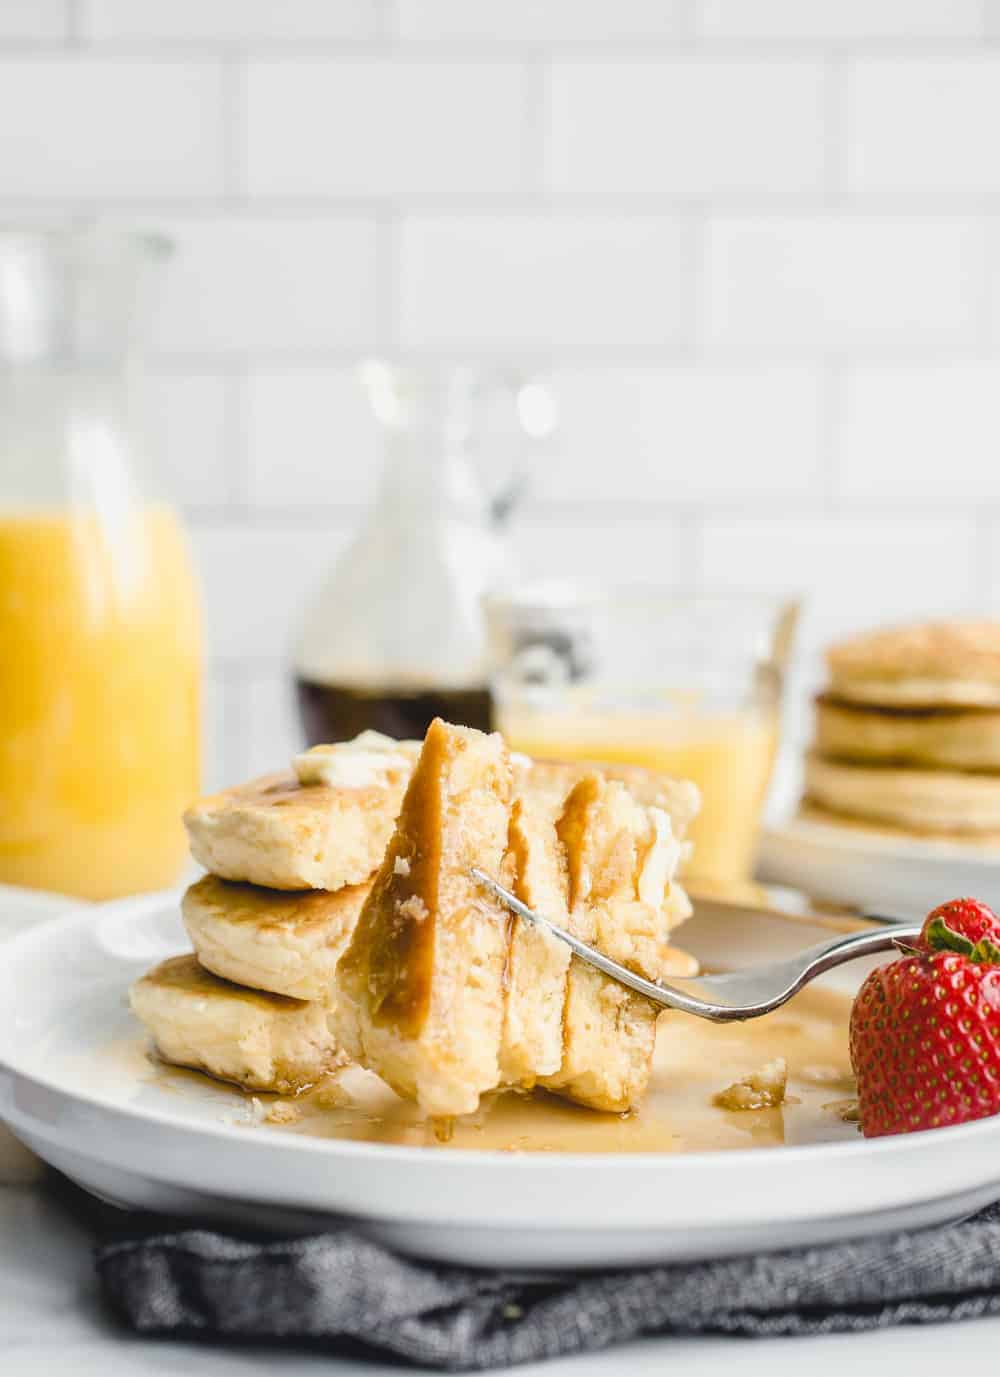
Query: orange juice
(100, 666)
(728, 755)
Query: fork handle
(829, 955)
(816, 961)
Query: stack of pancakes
(290, 858)
(339, 923)
(908, 732)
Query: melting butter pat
(662, 860)
(357, 764)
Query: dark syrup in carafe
(338, 712)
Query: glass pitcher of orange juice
(690, 686)
(100, 641)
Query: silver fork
(725, 998)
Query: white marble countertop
(52, 1325)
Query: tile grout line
(563, 205)
(256, 520)
(654, 48)
(715, 359)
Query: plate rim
(798, 830)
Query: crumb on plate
(330, 1095)
(283, 1112)
(761, 1089)
(847, 1110)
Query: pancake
(326, 823)
(256, 1040)
(621, 859)
(286, 943)
(537, 963)
(924, 801)
(446, 996)
(935, 738)
(680, 799)
(323, 825)
(633, 927)
(929, 665)
(421, 986)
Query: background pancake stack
(908, 732)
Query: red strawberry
(968, 917)
(925, 1035)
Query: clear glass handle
(494, 421)
(519, 415)
(396, 634)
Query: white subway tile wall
(385, 127)
(755, 243)
(925, 125)
(628, 547)
(685, 436)
(224, 21)
(188, 422)
(626, 126)
(557, 283)
(311, 438)
(96, 127)
(842, 564)
(922, 434)
(245, 284)
(258, 579)
(552, 21)
(841, 283)
(840, 19)
(42, 20)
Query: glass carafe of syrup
(100, 666)
(396, 636)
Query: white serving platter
(69, 1089)
(876, 870)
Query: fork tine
(665, 995)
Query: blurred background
(753, 244)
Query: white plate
(875, 871)
(20, 908)
(69, 1088)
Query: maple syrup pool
(695, 1060)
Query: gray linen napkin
(341, 1293)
